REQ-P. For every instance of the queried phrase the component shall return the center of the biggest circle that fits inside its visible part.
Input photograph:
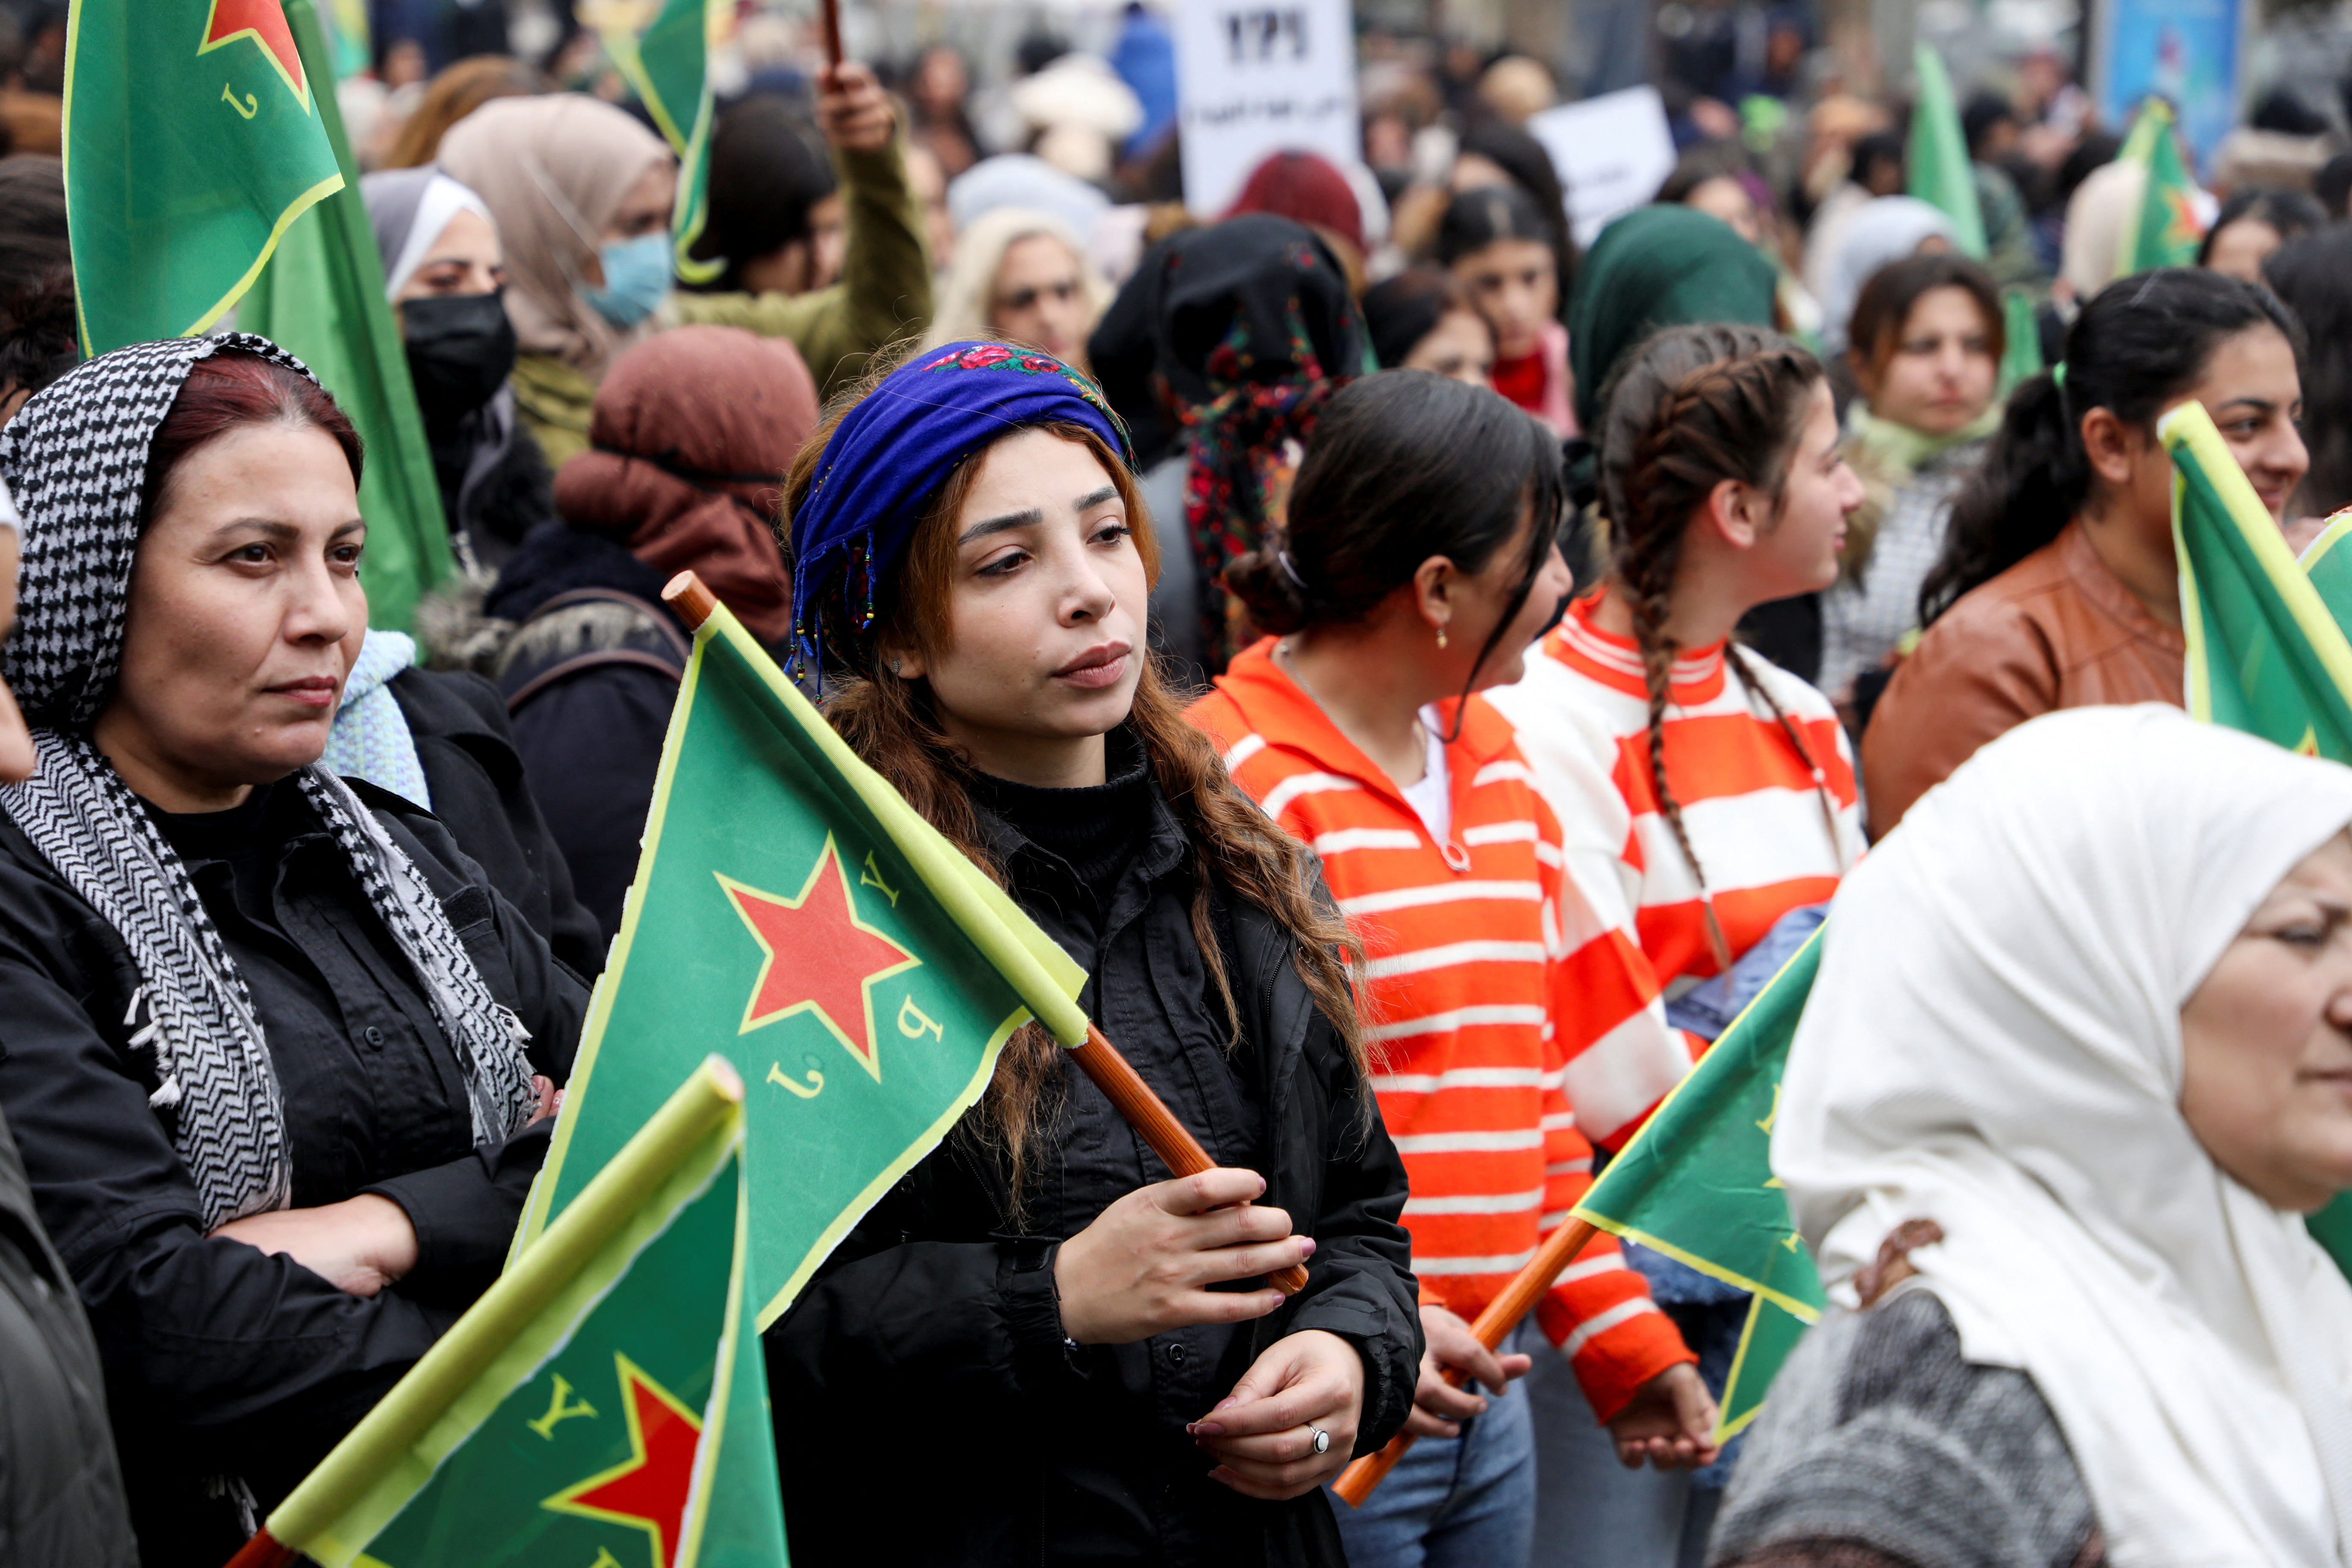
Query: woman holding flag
(1098, 1346)
(2074, 1068)
(2058, 586)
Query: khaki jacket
(2056, 630)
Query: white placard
(1256, 77)
(1612, 153)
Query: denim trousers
(1454, 1502)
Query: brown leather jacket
(2056, 630)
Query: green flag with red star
(604, 1404)
(192, 139)
(793, 914)
(2166, 232)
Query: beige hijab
(552, 169)
(2103, 205)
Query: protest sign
(1612, 153)
(1257, 78)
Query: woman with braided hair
(1706, 793)
(1419, 564)
(273, 1040)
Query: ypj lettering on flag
(793, 914)
(604, 1403)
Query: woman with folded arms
(273, 1041)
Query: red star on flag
(820, 957)
(263, 21)
(648, 1490)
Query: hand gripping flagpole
(1095, 1056)
(1492, 1327)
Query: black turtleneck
(1097, 829)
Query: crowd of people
(1430, 675)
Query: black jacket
(926, 1409)
(61, 1501)
(496, 486)
(476, 773)
(590, 675)
(221, 1361)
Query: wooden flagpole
(829, 13)
(262, 1551)
(1493, 1325)
(1096, 1057)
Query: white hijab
(1994, 1043)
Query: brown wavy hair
(892, 724)
(1692, 407)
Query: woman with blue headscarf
(972, 563)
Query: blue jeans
(1454, 1502)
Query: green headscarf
(1660, 266)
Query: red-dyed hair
(231, 389)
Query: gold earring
(1440, 636)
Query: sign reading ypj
(1256, 79)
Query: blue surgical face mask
(636, 276)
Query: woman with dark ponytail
(1417, 564)
(971, 566)
(2058, 586)
(1705, 791)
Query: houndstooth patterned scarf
(75, 458)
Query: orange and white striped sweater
(1750, 800)
(1474, 949)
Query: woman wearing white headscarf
(2088, 1014)
(445, 274)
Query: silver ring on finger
(1322, 1441)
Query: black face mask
(461, 348)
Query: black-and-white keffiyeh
(75, 458)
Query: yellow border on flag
(2338, 525)
(1724, 1431)
(65, 154)
(1802, 1310)
(300, 205)
(958, 877)
(2192, 426)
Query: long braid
(1692, 407)
(1752, 682)
(1645, 573)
